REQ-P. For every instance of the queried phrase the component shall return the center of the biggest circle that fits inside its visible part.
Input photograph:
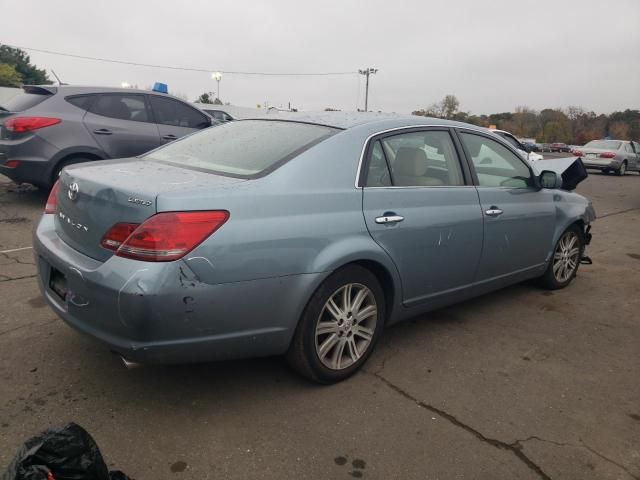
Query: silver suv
(46, 128)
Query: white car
(532, 157)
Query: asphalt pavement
(519, 384)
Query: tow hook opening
(128, 363)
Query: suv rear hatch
(93, 197)
(32, 96)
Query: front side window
(171, 112)
(121, 106)
(415, 159)
(244, 148)
(496, 165)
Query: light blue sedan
(300, 235)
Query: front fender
(570, 208)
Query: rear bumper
(34, 155)
(601, 164)
(162, 313)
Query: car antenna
(57, 78)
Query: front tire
(565, 261)
(339, 327)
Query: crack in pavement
(16, 260)
(28, 325)
(515, 448)
(617, 213)
(581, 445)
(11, 279)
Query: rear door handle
(170, 137)
(102, 131)
(389, 219)
(494, 212)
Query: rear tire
(622, 170)
(339, 327)
(64, 163)
(565, 261)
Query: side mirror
(549, 179)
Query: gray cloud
(492, 55)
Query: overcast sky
(493, 55)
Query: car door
(636, 148)
(519, 217)
(121, 124)
(176, 119)
(631, 156)
(420, 207)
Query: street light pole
(217, 76)
(367, 71)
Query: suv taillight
(27, 124)
(165, 236)
(607, 155)
(52, 201)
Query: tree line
(572, 125)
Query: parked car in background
(515, 143)
(619, 156)
(531, 147)
(559, 147)
(300, 235)
(47, 127)
(545, 147)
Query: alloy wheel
(346, 326)
(566, 256)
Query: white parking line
(16, 250)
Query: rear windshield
(245, 148)
(604, 144)
(24, 101)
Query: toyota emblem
(73, 191)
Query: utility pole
(367, 71)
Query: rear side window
(24, 101)
(245, 149)
(123, 107)
(171, 112)
(627, 147)
(80, 101)
(416, 159)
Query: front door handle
(102, 131)
(389, 219)
(170, 137)
(494, 211)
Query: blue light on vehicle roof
(160, 87)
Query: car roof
(80, 89)
(347, 120)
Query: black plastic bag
(63, 453)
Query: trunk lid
(92, 197)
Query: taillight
(12, 163)
(27, 124)
(117, 235)
(170, 235)
(607, 155)
(578, 153)
(52, 201)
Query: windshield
(244, 148)
(604, 144)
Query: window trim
(363, 165)
(471, 166)
(95, 96)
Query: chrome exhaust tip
(129, 364)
